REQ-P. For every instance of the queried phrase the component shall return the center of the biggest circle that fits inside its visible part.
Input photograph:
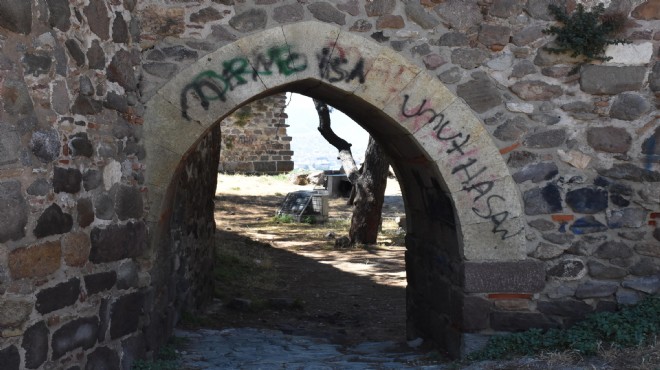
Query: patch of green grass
(632, 326)
(283, 219)
(167, 359)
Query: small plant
(631, 326)
(585, 33)
(243, 116)
(168, 358)
(307, 220)
(283, 219)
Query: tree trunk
(369, 196)
(369, 182)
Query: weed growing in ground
(283, 219)
(632, 326)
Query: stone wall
(254, 138)
(91, 277)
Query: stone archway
(464, 212)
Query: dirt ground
(293, 276)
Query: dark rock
(120, 70)
(116, 102)
(37, 64)
(618, 200)
(545, 251)
(587, 225)
(162, 70)
(536, 172)
(208, 14)
(459, 14)
(505, 8)
(651, 146)
(127, 275)
(546, 139)
(104, 206)
(35, 344)
(52, 222)
(629, 107)
(609, 139)
(250, 20)
(128, 202)
(289, 13)
(656, 233)
(624, 297)
(39, 187)
(362, 25)
(521, 158)
(80, 333)
(60, 98)
(85, 105)
(350, 6)
(92, 179)
(628, 171)
(476, 312)
(544, 200)
(602, 271)
(133, 348)
(16, 16)
(61, 61)
(568, 269)
(104, 319)
(80, 145)
(613, 249)
(611, 80)
(14, 215)
(527, 35)
(9, 357)
(567, 308)
(59, 296)
(595, 289)
(481, 94)
(645, 267)
(558, 238)
(422, 49)
(626, 217)
(634, 236)
(523, 68)
(96, 56)
(125, 315)
(542, 224)
(118, 242)
(85, 212)
(219, 33)
(10, 145)
(654, 78)
(59, 14)
(86, 87)
(16, 97)
(66, 180)
(75, 51)
(452, 39)
(326, 12)
(180, 53)
(579, 109)
(647, 284)
(379, 36)
(536, 90)
(98, 18)
(520, 321)
(468, 58)
(521, 276)
(491, 35)
(648, 249)
(539, 8)
(102, 358)
(120, 29)
(377, 8)
(451, 76)
(100, 282)
(546, 119)
(512, 129)
(587, 200)
(418, 14)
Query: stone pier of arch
(531, 194)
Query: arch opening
(462, 207)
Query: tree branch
(343, 146)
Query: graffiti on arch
(467, 167)
(212, 85)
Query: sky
(307, 141)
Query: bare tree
(368, 182)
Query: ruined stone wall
(254, 138)
(86, 281)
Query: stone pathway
(253, 349)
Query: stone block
(480, 94)
(128, 202)
(511, 277)
(75, 248)
(134, 348)
(10, 145)
(85, 210)
(636, 54)
(611, 80)
(646, 284)
(125, 314)
(9, 356)
(520, 321)
(79, 333)
(99, 282)
(52, 222)
(59, 296)
(609, 139)
(37, 261)
(13, 313)
(35, 344)
(587, 200)
(613, 249)
(566, 308)
(596, 289)
(102, 358)
(476, 313)
(13, 217)
(543, 200)
(117, 242)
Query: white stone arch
(416, 111)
